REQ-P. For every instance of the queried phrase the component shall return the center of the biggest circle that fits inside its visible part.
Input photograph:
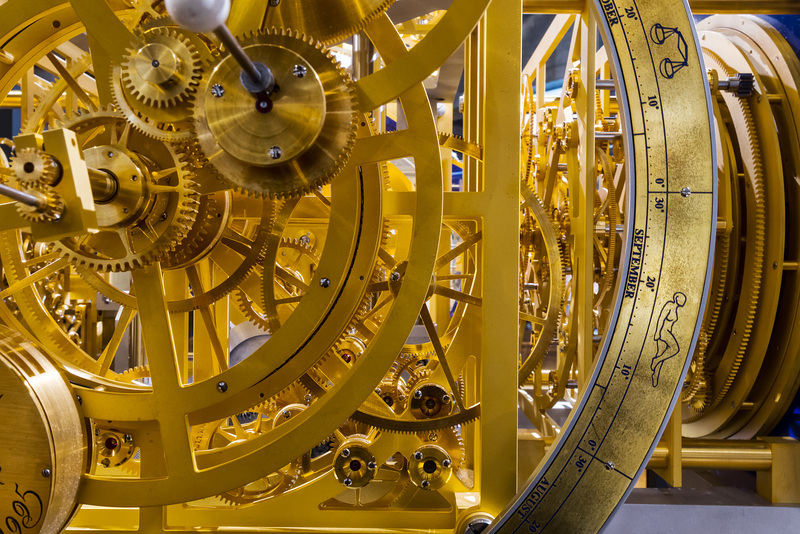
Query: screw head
(299, 71)
(346, 453)
(325, 282)
(371, 466)
(395, 276)
(286, 414)
(217, 90)
(418, 394)
(307, 398)
(446, 463)
(347, 482)
(222, 387)
(425, 484)
(686, 192)
(609, 466)
(46, 473)
(274, 3)
(305, 240)
(445, 399)
(110, 154)
(275, 152)
(418, 455)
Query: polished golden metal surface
(45, 450)
(327, 22)
(281, 316)
(286, 143)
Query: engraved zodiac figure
(669, 66)
(664, 336)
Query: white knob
(199, 15)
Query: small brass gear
(34, 168)
(52, 212)
(283, 144)
(164, 71)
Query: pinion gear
(34, 168)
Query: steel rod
(32, 200)
(238, 53)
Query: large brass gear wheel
(327, 22)
(283, 144)
(154, 204)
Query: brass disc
(291, 118)
(44, 443)
(286, 143)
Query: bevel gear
(283, 144)
(164, 71)
(34, 168)
(51, 212)
(155, 202)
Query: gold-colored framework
(390, 252)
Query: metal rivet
(686, 191)
(345, 453)
(46, 473)
(217, 90)
(222, 387)
(325, 282)
(155, 64)
(134, 178)
(299, 71)
(275, 152)
(110, 154)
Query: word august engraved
(534, 498)
(611, 12)
(636, 262)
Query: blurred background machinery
(396, 266)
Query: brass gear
(285, 144)
(52, 212)
(269, 320)
(328, 22)
(34, 168)
(164, 71)
(715, 390)
(153, 208)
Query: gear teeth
(240, 180)
(459, 144)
